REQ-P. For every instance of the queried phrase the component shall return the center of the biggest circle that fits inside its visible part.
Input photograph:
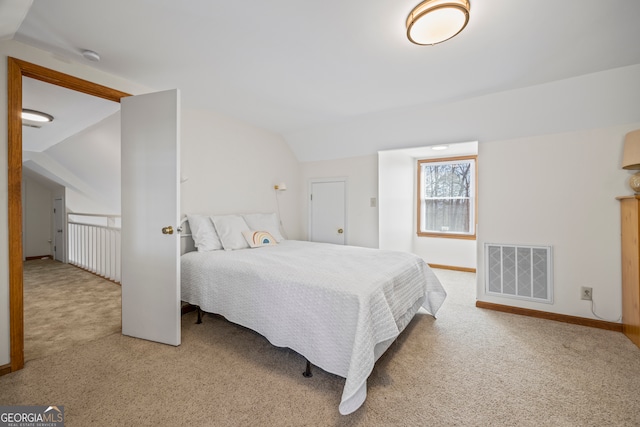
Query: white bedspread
(338, 306)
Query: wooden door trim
(15, 71)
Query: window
(447, 197)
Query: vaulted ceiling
(301, 67)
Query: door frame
(16, 69)
(342, 179)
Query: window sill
(447, 235)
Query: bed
(338, 306)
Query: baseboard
(450, 267)
(593, 323)
(96, 274)
(5, 369)
(33, 258)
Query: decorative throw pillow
(230, 228)
(203, 234)
(256, 239)
(265, 222)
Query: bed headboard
(186, 241)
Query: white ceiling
(72, 111)
(297, 67)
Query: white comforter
(338, 306)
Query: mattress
(338, 306)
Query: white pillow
(203, 234)
(256, 239)
(230, 228)
(264, 222)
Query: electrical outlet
(586, 293)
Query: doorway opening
(17, 69)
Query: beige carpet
(65, 306)
(470, 367)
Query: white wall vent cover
(522, 272)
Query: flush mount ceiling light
(36, 116)
(90, 55)
(434, 21)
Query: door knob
(167, 230)
(340, 231)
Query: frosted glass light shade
(434, 21)
(36, 116)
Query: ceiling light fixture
(439, 147)
(36, 116)
(434, 21)
(90, 55)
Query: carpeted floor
(469, 367)
(65, 306)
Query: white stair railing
(94, 243)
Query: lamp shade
(434, 21)
(631, 154)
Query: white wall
(90, 160)
(390, 177)
(396, 189)
(397, 181)
(590, 101)
(232, 168)
(530, 118)
(558, 143)
(362, 185)
(558, 190)
(456, 253)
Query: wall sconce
(631, 158)
(434, 21)
(280, 187)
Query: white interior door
(58, 232)
(327, 212)
(150, 203)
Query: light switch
(372, 202)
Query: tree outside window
(447, 197)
